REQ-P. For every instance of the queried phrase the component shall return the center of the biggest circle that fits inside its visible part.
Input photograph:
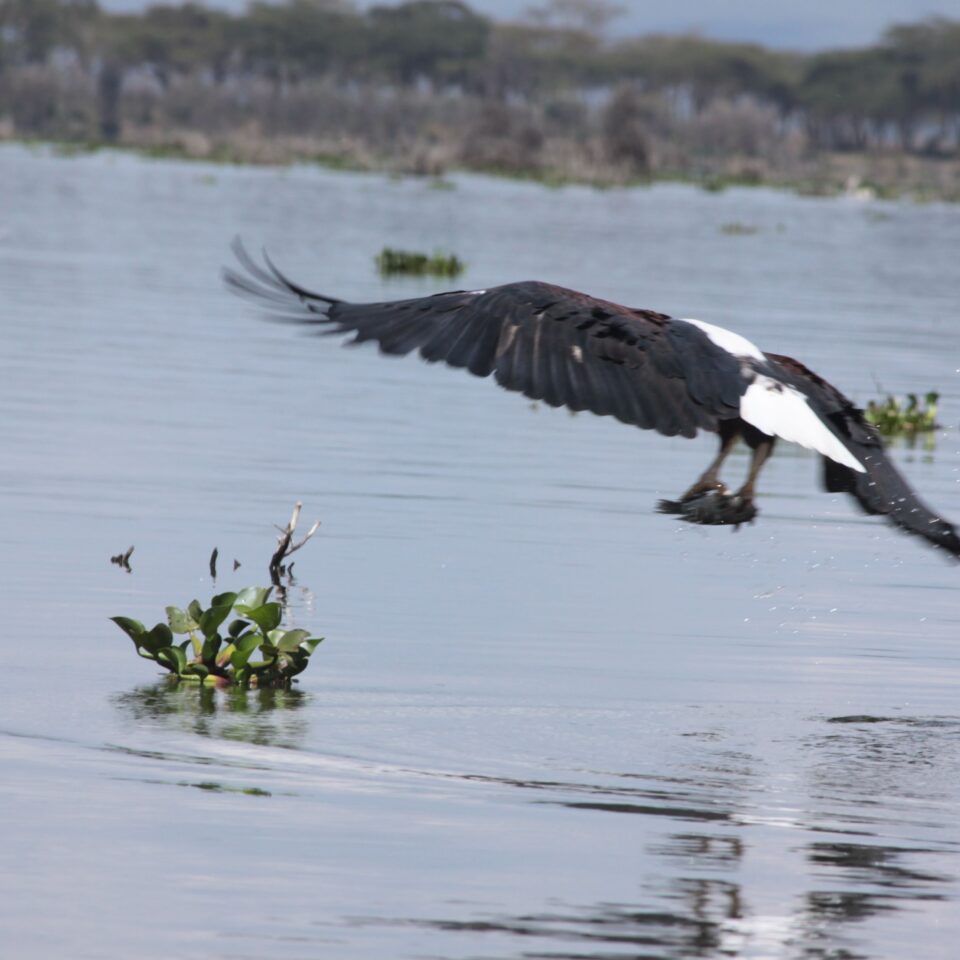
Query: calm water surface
(546, 722)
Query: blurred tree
(301, 38)
(30, 30)
(851, 98)
(442, 41)
(170, 40)
(709, 70)
(927, 58)
(585, 16)
(627, 120)
(531, 60)
(635, 103)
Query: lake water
(546, 722)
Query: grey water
(546, 722)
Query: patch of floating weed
(895, 417)
(736, 229)
(209, 657)
(392, 262)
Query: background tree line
(431, 82)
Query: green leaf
(249, 641)
(252, 596)
(308, 646)
(221, 599)
(237, 627)
(195, 670)
(173, 658)
(245, 646)
(134, 629)
(292, 639)
(212, 618)
(210, 648)
(181, 659)
(180, 621)
(160, 636)
(267, 616)
(195, 610)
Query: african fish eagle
(642, 367)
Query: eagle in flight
(645, 368)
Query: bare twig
(213, 563)
(285, 544)
(122, 560)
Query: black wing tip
(266, 284)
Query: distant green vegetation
(424, 86)
(392, 262)
(737, 229)
(896, 417)
(206, 656)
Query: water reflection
(707, 850)
(869, 772)
(687, 915)
(603, 931)
(262, 717)
(879, 865)
(692, 916)
(678, 799)
(825, 920)
(870, 769)
(696, 901)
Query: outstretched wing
(549, 343)
(881, 489)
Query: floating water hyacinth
(209, 657)
(392, 262)
(895, 416)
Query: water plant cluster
(895, 417)
(210, 657)
(737, 229)
(392, 262)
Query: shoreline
(892, 177)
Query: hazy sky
(812, 24)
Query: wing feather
(572, 350)
(549, 343)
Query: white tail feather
(781, 411)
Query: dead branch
(285, 544)
(122, 560)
